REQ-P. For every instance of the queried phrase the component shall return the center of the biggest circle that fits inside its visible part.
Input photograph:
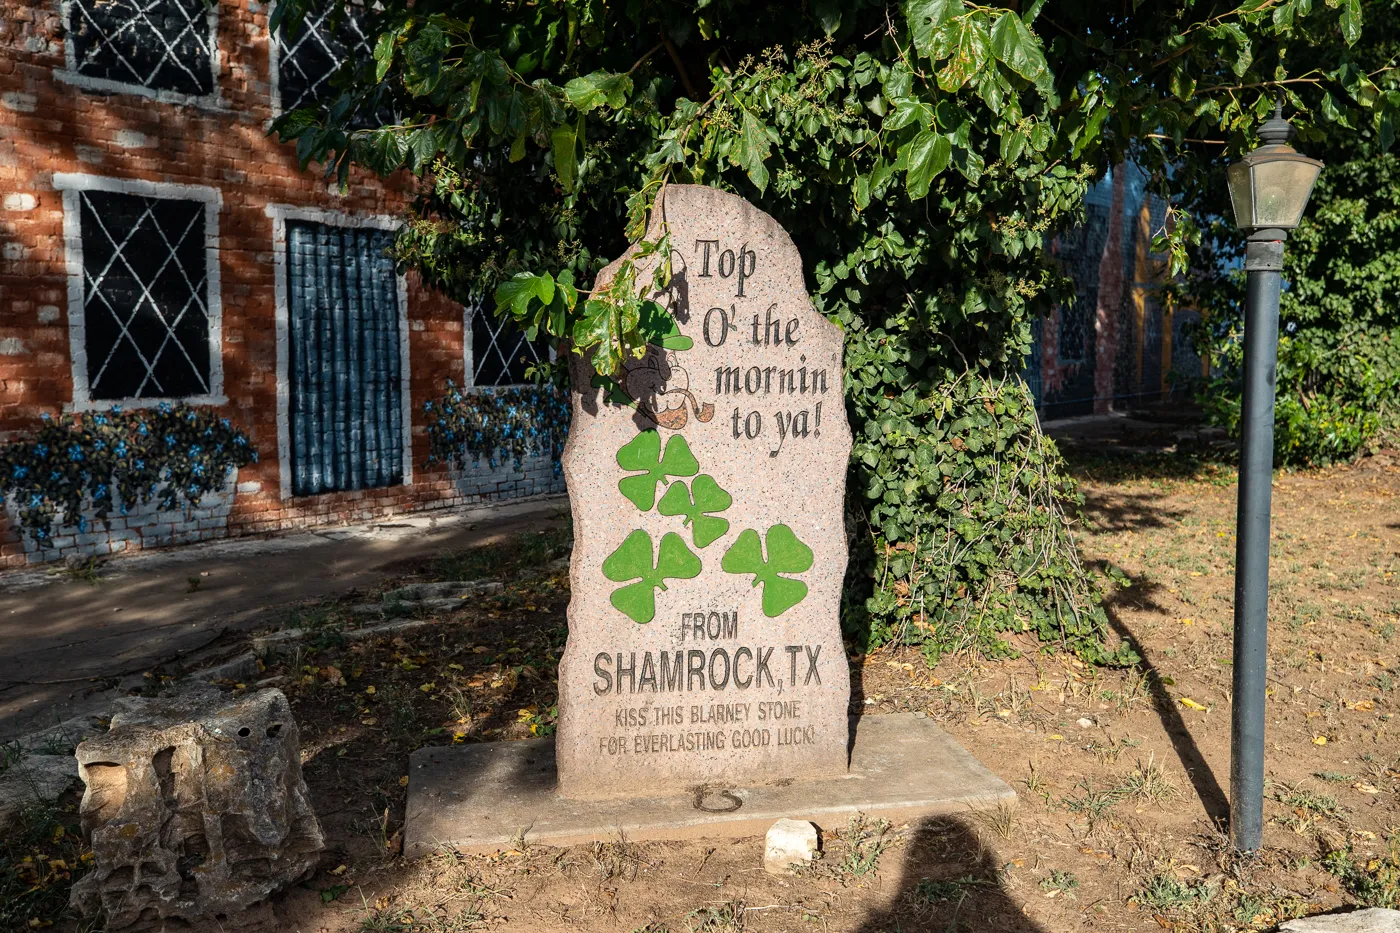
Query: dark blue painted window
(345, 405)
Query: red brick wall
(49, 126)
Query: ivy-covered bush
(968, 515)
(94, 463)
(1339, 333)
(494, 424)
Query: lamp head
(1270, 187)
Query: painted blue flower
(139, 464)
(225, 423)
(198, 469)
(82, 524)
(99, 445)
(163, 408)
(195, 450)
(241, 441)
(170, 440)
(75, 453)
(100, 492)
(120, 449)
(41, 450)
(99, 419)
(35, 501)
(116, 409)
(255, 456)
(46, 416)
(20, 472)
(55, 476)
(142, 429)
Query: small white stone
(19, 101)
(1086, 723)
(1372, 920)
(132, 139)
(789, 844)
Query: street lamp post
(1269, 188)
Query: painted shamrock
(632, 561)
(786, 554)
(643, 452)
(703, 495)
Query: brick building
(158, 245)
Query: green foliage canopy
(920, 154)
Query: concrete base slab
(476, 798)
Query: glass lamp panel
(1281, 191)
(1241, 194)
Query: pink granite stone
(707, 491)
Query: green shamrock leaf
(643, 452)
(708, 497)
(632, 561)
(786, 554)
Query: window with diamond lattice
(160, 45)
(306, 60)
(500, 354)
(145, 296)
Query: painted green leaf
(632, 561)
(704, 495)
(643, 452)
(786, 554)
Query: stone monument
(704, 689)
(707, 485)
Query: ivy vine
(82, 467)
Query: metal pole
(1264, 264)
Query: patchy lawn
(1121, 774)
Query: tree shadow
(1141, 595)
(1115, 511)
(950, 882)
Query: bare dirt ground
(1122, 775)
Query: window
(160, 48)
(497, 352)
(305, 61)
(343, 418)
(143, 290)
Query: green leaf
(786, 554)
(599, 328)
(753, 150)
(564, 142)
(632, 561)
(513, 296)
(1018, 49)
(708, 496)
(908, 110)
(963, 42)
(643, 452)
(926, 17)
(926, 155)
(384, 54)
(828, 13)
(1351, 21)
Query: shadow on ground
(951, 882)
(1142, 594)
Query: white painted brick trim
(70, 184)
(280, 214)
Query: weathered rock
(196, 811)
(707, 484)
(1371, 920)
(789, 845)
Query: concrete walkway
(64, 641)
